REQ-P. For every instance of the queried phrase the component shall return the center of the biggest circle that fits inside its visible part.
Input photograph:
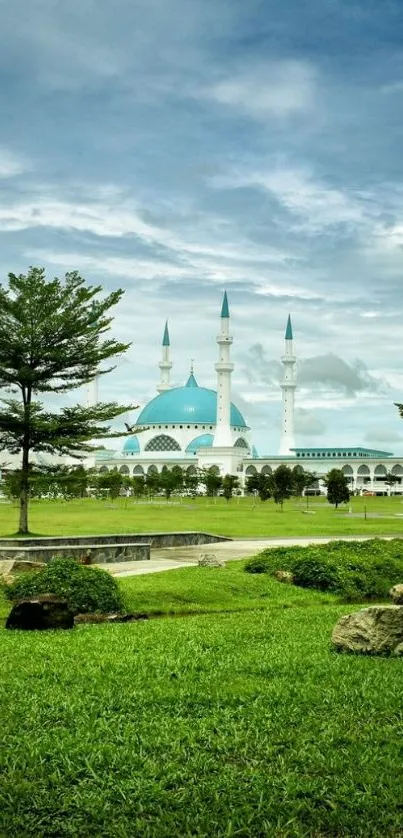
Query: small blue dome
(202, 441)
(186, 406)
(131, 445)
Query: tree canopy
(54, 338)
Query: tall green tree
(282, 484)
(260, 484)
(302, 479)
(211, 479)
(337, 487)
(229, 483)
(53, 339)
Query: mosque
(196, 427)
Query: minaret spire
(288, 387)
(224, 368)
(165, 363)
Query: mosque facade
(196, 427)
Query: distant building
(196, 427)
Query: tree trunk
(24, 492)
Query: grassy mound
(86, 589)
(355, 570)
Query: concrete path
(172, 558)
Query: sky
(179, 149)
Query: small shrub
(86, 589)
(356, 570)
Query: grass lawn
(217, 724)
(244, 517)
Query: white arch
(380, 471)
(397, 470)
(347, 470)
(363, 471)
(138, 471)
(124, 470)
(250, 470)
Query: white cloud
(273, 89)
(10, 164)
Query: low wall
(95, 553)
(153, 539)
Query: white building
(196, 427)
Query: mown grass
(214, 725)
(241, 517)
(194, 589)
(217, 724)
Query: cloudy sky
(179, 148)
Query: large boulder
(210, 560)
(377, 630)
(27, 566)
(396, 593)
(284, 576)
(41, 612)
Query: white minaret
(165, 364)
(223, 436)
(92, 392)
(288, 387)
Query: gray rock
(284, 576)
(396, 593)
(377, 630)
(25, 566)
(210, 560)
(41, 612)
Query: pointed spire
(288, 331)
(225, 307)
(165, 339)
(191, 382)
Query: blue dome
(202, 441)
(131, 446)
(186, 406)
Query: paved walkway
(172, 558)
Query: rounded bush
(356, 570)
(86, 589)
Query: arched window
(266, 470)
(138, 470)
(162, 443)
(124, 470)
(250, 470)
(241, 443)
(152, 470)
(380, 472)
(103, 469)
(397, 470)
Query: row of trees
(75, 482)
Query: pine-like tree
(53, 339)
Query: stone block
(41, 612)
(377, 630)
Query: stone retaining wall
(153, 539)
(96, 553)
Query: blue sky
(177, 149)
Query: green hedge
(86, 589)
(353, 569)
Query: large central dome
(189, 405)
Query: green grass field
(236, 722)
(238, 518)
